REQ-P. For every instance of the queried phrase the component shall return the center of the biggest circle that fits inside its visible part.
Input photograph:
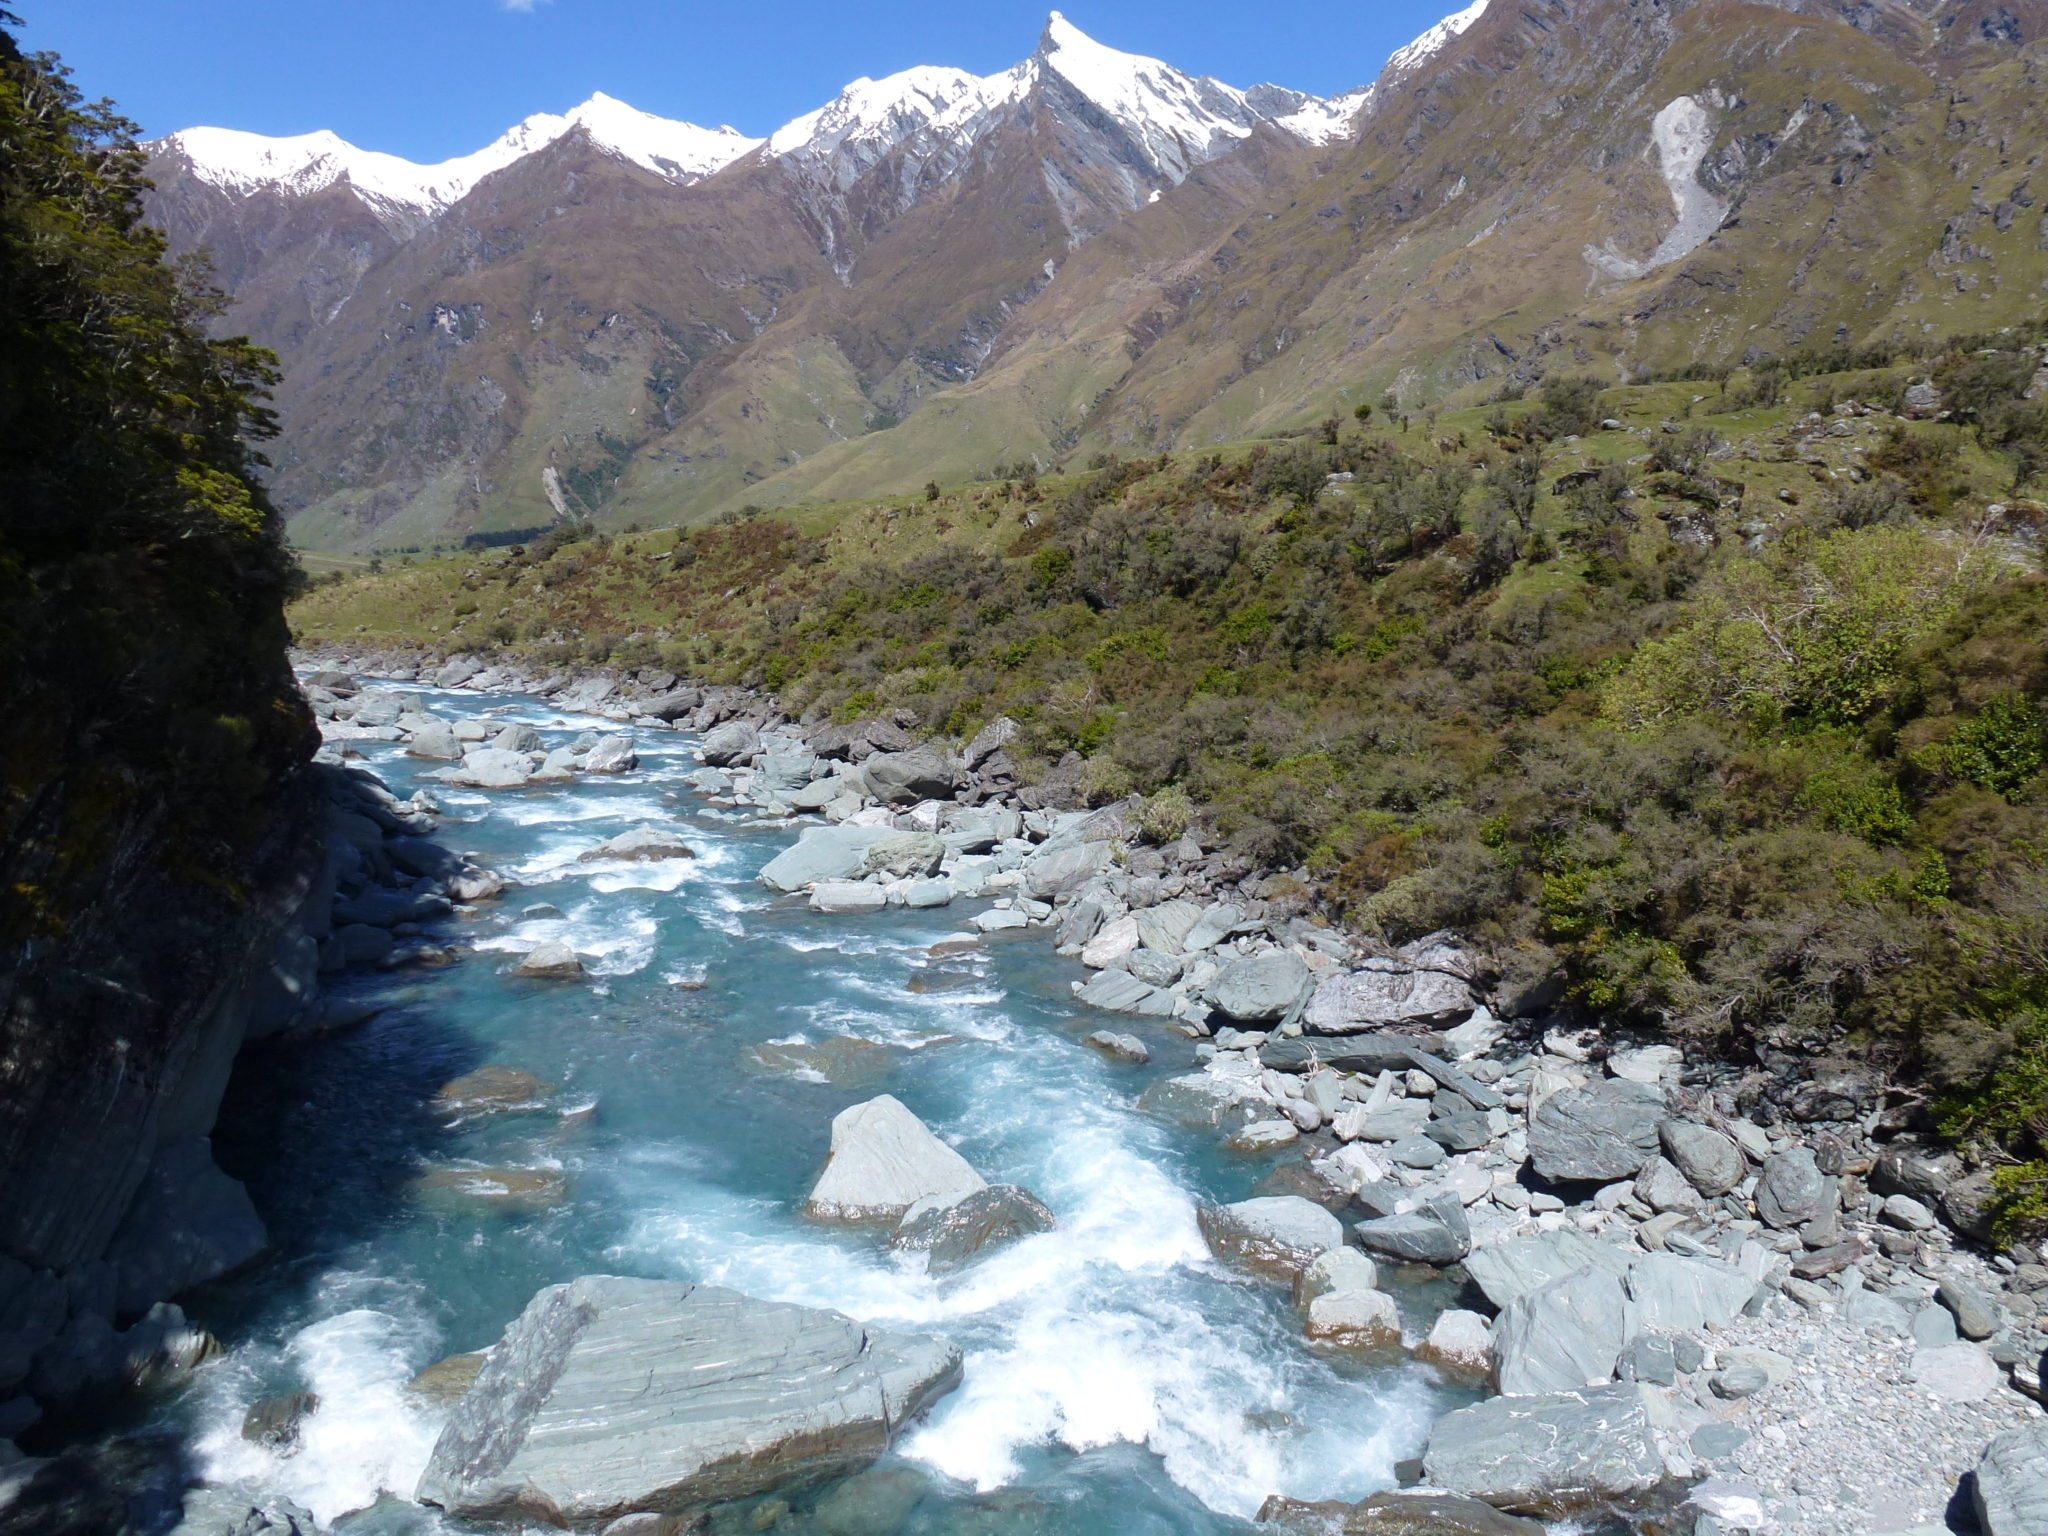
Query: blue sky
(433, 78)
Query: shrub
(1165, 815)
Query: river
(1117, 1379)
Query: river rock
(491, 1090)
(904, 855)
(1200, 1099)
(275, 1422)
(1385, 993)
(224, 1512)
(1677, 1294)
(1353, 1317)
(883, 1161)
(614, 754)
(489, 768)
(734, 742)
(445, 1381)
(1409, 1512)
(1052, 871)
(1565, 1336)
(642, 845)
(1504, 1271)
(1976, 1314)
(552, 961)
(1281, 1234)
(1368, 1055)
(516, 738)
(1548, 1455)
(610, 1397)
(1461, 1340)
(903, 778)
(1711, 1162)
(2012, 1483)
(1338, 1269)
(1436, 1234)
(1261, 988)
(435, 740)
(955, 1233)
(1121, 1047)
(847, 896)
(822, 853)
(1956, 1373)
(1791, 1190)
(1603, 1130)
(188, 1223)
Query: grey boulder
(1564, 1337)
(435, 740)
(1436, 1234)
(954, 1234)
(614, 754)
(642, 845)
(1261, 988)
(1281, 1234)
(489, 768)
(1386, 993)
(1676, 1294)
(2012, 1483)
(1521, 1265)
(610, 1397)
(904, 855)
(734, 742)
(1711, 1162)
(1792, 1190)
(884, 1161)
(822, 853)
(1605, 1130)
(1548, 1455)
(903, 778)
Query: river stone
(491, 1090)
(1366, 1054)
(1281, 1234)
(435, 740)
(489, 768)
(903, 778)
(517, 737)
(1956, 1373)
(734, 742)
(1791, 1190)
(1383, 993)
(1261, 988)
(1396, 1122)
(1409, 1512)
(552, 961)
(1548, 1455)
(642, 845)
(1118, 991)
(1119, 1047)
(610, 1397)
(614, 754)
(445, 1381)
(883, 1161)
(1711, 1162)
(1504, 1271)
(904, 855)
(955, 1233)
(1353, 1317)
(188, 1223)
(1603, 1130)
(1338, 1269)
(1201, 1099)
(2012, 1483)
(847, 896)
(822, 853)
(274, 1422)
(1676, 1294)
(224, 1512)
(1976, 1314)
(1437, 1234)
(1563, 1337)
(1459, 1339)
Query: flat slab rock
(1548, 1455)
(609, 1397)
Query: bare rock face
(884, 1161)
(611, 1397)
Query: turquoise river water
(1117, 1379)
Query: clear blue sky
(433, 78)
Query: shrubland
(1710, 706)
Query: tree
(931, 490)
(1362, 412)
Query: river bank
(1870, 1263)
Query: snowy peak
(1426, 47)
(243, 164)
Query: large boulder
(1604, 1130)
(1548, 1455)
(1436, 1234)
(884, 1161)
(954, 1234)
(489, 768)
(1677, 1294)
(1565, 1336)
(187, 1224)
(1369, 1054)
(2012, 1483)
(1280, 1234)
(1259, 989)
(1791, 1190)
(1711, 1162)
(435, 739)
(822, 853)
(734, 742)
(1384, 993)
(1053, 871)
(904, 855)
(1504, 1271)
(613, 754)
(1411, 1512)
(642, 845)
(610, 1397)
(903, 778)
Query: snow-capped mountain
(241, 164)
